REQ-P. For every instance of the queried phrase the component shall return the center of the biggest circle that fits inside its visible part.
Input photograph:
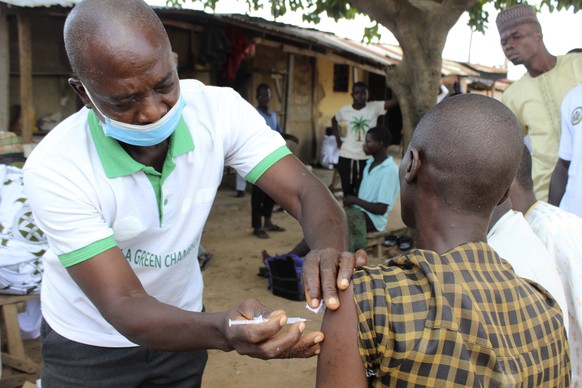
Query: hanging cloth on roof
(214, 47)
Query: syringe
(260, 319)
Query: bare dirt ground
(232, 276)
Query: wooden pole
(4, 73)
(25, 56)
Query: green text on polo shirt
(136, 257)
(143, 258)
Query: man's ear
(413, 167)
(79, 88)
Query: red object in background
(241, 48)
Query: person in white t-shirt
(122, 190)
(358, 117)
(566, 183)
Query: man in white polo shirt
(122, 190)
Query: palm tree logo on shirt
(359, 127)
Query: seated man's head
(462, 159)
(122, 59)
(377, 139)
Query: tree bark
(421, 28)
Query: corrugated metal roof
(488, 69)
(378, 56)
(316, 37)
(455, 68)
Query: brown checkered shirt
(461, 319)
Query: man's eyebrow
(121, 97)
(127, 96)
(166, 78)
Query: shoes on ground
(390, 240)
(263, 272)
(240, 194)
(404, 243)
(260, 233)
(274, 228)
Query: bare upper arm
(565, 163)
(339, 363)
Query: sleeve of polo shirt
(66, 211)
(251, 147)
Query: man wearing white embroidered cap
(122, 190)
(536, 97)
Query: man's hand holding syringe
(252, 329)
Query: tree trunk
(421, 28)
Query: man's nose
(509, 44)
(151, 109)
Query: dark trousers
(350, 172)
(261, 206)
(68, 363)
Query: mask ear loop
(92, 101)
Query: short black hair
(381, 134)
(263, 86)
(471, 146)
(360, 84)
(523, 177)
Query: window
(341, 78)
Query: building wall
(290, 77)
(300, 121)
(51, 92)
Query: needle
(260, 319)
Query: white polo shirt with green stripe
(88, 195)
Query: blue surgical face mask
(143, 135)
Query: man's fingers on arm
(329, 278)
(311, 282)
(346, 268)
(361, 257)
